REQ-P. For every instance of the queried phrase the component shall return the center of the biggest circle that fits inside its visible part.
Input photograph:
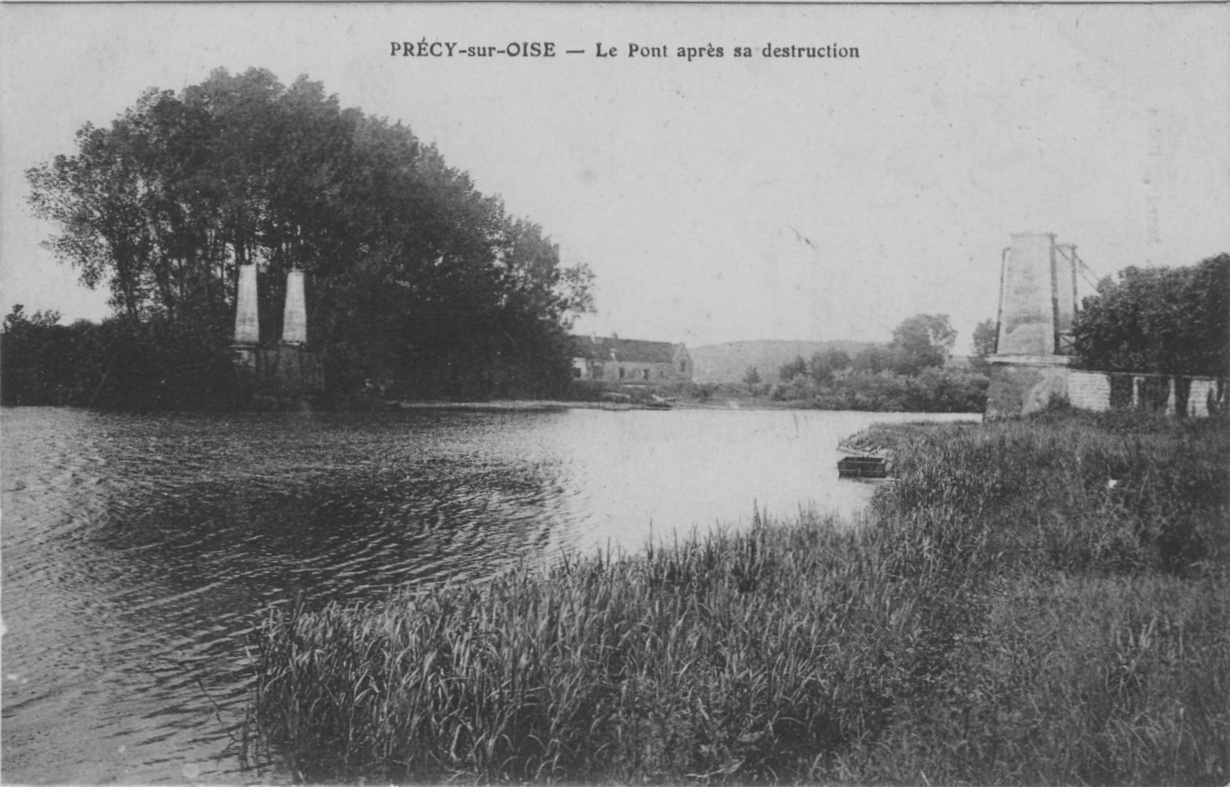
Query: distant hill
(727, 363)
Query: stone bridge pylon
(1037, 297)
(1037, 306)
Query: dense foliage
(415, 280)
(1170, 321)
(986, 341)
(121, 363)
(1034, 602)
(933, 390)
(907, 374)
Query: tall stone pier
(1037, 299)
(247, 318)
(1026, 321)
(294, 315)
(1037, 306)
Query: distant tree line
(416, 281)
(907, 374)
(120, 363)
(1163, 321)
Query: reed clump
(1039, 601)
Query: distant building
(629, 361)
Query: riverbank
(1034, 601)
(556, 405)
(886, 439)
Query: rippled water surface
(139, 550)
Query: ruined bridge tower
(247, 318)
(289, 368)
(1037, 305)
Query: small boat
(634, 401)
(865, 466)
(656, 402)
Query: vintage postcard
(310, 305)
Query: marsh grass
(1008, 615)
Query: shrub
(119, 363)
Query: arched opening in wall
(1182, 393)
(1215, 399)
(1152, 393)
(1121, 389)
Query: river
(140, 550)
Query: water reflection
(139, 550)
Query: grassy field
(1034, 601)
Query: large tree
(825, 365)
(1173, 321)
(414, 276)
(986, 340)
(96, 200)
(922, 341)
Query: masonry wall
(288, 370)
(642, 373)
(1089, 390)
(1206, 395)
(283, 370)
(1021, 388)
(634, 372)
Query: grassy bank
(889, 438)
(1041, 601)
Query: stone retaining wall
(283, 370)
(1089, 390)
(1025, 385)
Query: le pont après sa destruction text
(548, 49)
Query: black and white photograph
(615, 393)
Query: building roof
(599, 348)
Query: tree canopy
(986, 340)
(824, 365)
(919, 342)
(1172, 321)
(922, 341)
(793, 369)
(413, 275)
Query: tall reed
(1008, 615)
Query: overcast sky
(717, 199)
